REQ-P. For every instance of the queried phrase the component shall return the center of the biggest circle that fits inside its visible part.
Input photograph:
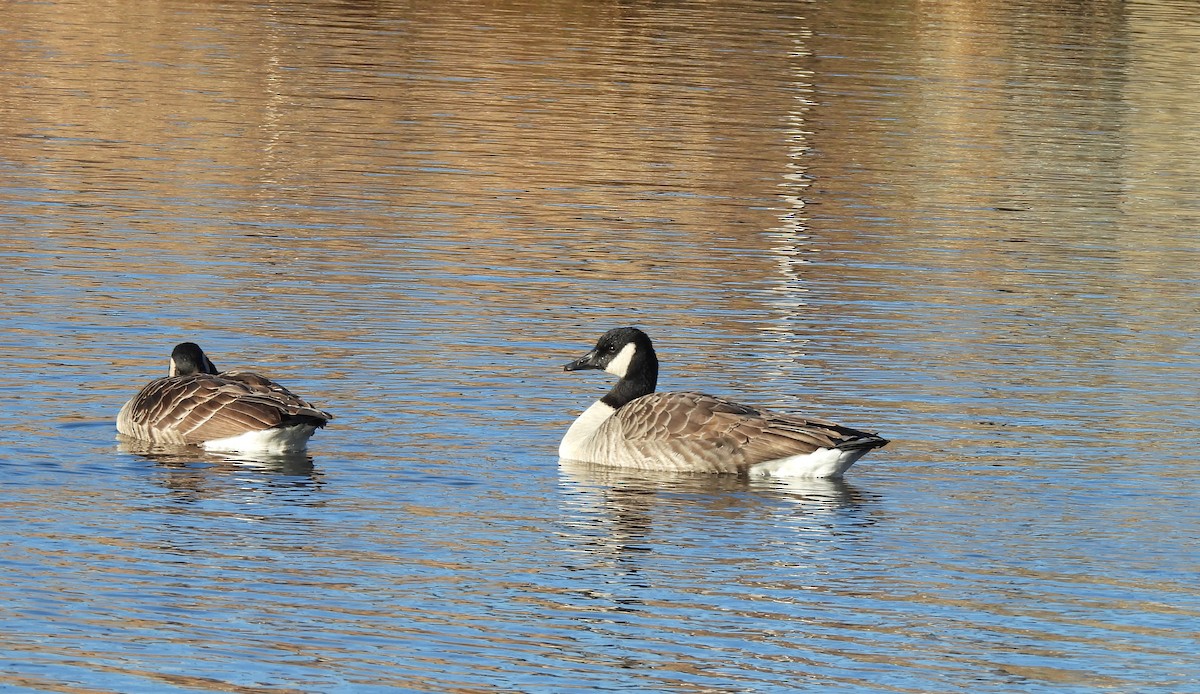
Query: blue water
(972, 229)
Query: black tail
(868, 442)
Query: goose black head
(187, 358)
(628, 354)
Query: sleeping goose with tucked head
(230, 411)
(636, 428)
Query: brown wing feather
(730, 436)
(205, 407)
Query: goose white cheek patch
(619, 365)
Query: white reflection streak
(790, 236)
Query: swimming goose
(230, 411)
(635, 427)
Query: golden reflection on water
(245, 164)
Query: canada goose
(635, 427)
(230, 411)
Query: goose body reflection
(635, 427)
(230, 411)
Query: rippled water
(971, 226)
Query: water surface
(970, 226)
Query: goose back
(695, 432)
(202, 407)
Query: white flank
(276, 440)
(573, 444)
(124, 425)
(620, 363)
(823, 462)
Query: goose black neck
(190, 359)
(641, 378)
